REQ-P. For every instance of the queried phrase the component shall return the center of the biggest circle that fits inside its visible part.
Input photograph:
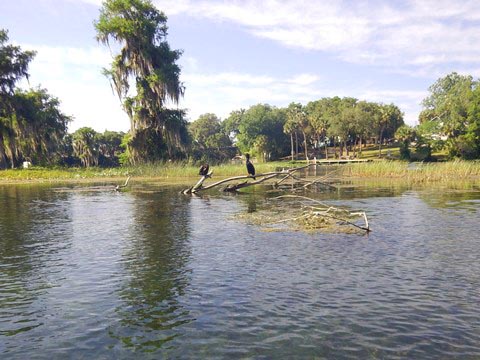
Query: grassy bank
(168, 170)
(417, 172)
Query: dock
(342, 161)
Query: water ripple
(159, 275)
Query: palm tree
(290, 127)
(390, 117)
(297, 120)
(85, 146)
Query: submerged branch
(301, 197)
(118, 187)
(325, 212)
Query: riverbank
(414, 172)
(154, 171)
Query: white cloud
(95, 56)
(412, 33)
(92, 2)
(222, 93)
(416, 38)
(74, 76)
(304, 79)
(234, 78)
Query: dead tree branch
(305, 214)
(329, 212)
(118, 187)
(287, 173)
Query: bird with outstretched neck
(250, 167)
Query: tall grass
(40, 174)
(158, 170)
(417, 172)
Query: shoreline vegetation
(381, 169)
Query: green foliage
(389, 120)
(124, 156)
(210, 141)
(207, 132)
(85, 146)
(109, 147)
(467, 146)
(97, 149)
(473, 121)
(13, 67)
(232, 123)
(32, 129)
(452, 107)
(266, 131)
(298, 122)
(367, 114)
(405, 135)
(343, 117)
(261, 132)
(319, 116)
(348, 121)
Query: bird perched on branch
(250, 167)
(203, 170)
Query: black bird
(203, 170)
(250, 167)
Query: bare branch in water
(315, 214)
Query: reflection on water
(24, 274)
(90, 273)
(155, 266)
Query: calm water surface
(87, 273)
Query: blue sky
(241, 53)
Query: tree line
(146, 77)
(335, 126)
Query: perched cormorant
(250, 167)
(203, 170)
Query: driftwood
(118, 187)
(198, 186)
(326, 211)
(302, 213)
(284, 175)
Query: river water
(88, 273)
